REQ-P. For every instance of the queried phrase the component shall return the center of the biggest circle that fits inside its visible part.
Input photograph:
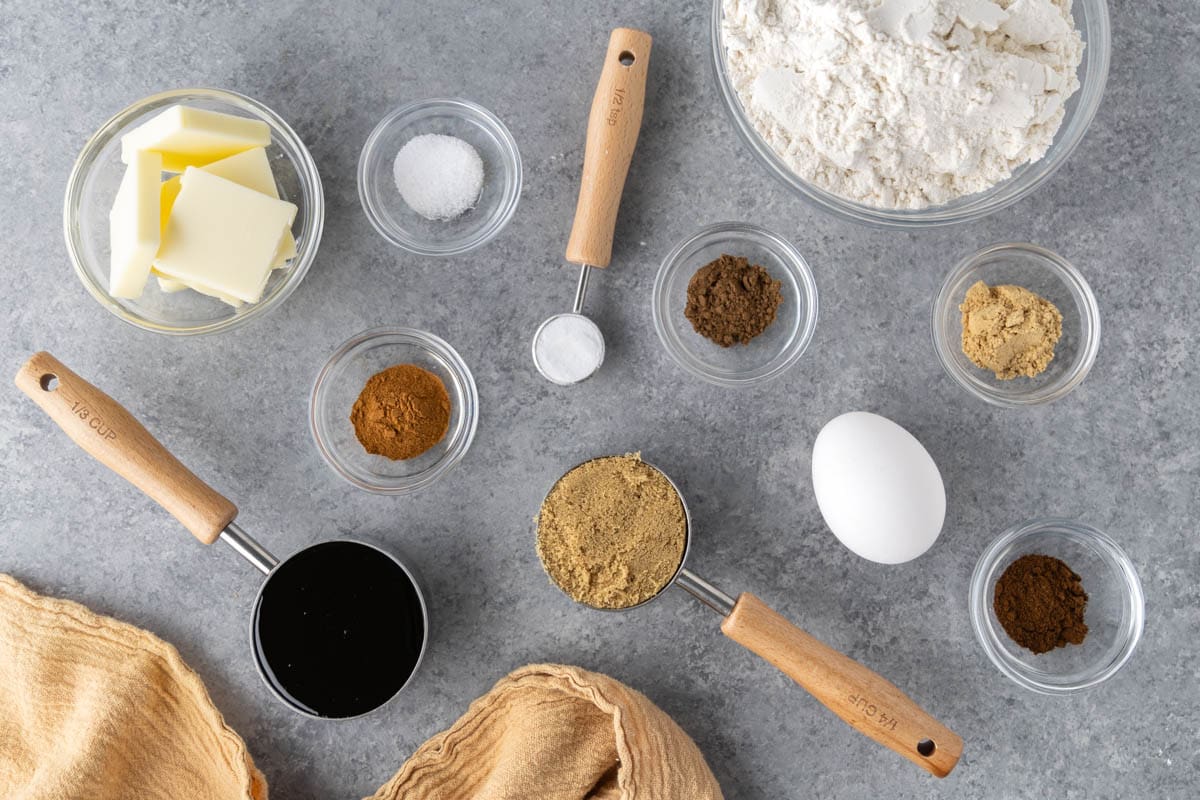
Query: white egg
(877, 487)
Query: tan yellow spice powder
(612, 531)
(1009, 330)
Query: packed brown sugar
(612, 532)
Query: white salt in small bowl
(405, 228)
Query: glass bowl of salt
(439, 177)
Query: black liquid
(338, 629)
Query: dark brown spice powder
(731, 301)
(1040, 601)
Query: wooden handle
(866, 701)
(612, 135)
(110, 434)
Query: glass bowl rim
(988, 637)
(510, 156)
(306, 171)
(793, 262)
(1096, 59)
(1086, 305)
(465, 386)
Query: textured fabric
(549, 732)
(93, 708)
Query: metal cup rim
(687, 535)
(416, 584)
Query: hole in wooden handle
(926, 747)
(48, 382)
(626, 58)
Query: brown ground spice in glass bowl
(1040, 602)
(731, 301)
(401, 412)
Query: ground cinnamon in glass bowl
(401, 412)
(342, 381)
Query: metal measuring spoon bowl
(568, 348)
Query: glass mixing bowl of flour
(1091, 19)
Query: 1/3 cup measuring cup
(338, 628)
(863, 699)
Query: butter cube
(250, 169)
(133, 226)
(189, 137)
(171, 286)
(222, 237)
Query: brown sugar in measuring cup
(864, 700)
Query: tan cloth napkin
(549, 732)
(93, 708)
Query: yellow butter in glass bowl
(280, 174)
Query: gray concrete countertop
(1120, 453)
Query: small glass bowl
(1114, 614)
(405, 228)
(1092, 21)
(773, 351)
(1044, 273)
(93, 185)
(342, 379)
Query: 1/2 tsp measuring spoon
(338, 628)
(865, 700)
(613, 126)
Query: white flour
(904, 103)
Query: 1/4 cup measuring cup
(863, 699)
(338, 628)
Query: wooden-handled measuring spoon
(613, 126)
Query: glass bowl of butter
(193, 211)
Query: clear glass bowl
(342, 379)
(1114, 614)
(1044, 273)
(1091, 18)
(404, 227)
(773, 351)
(93, 185)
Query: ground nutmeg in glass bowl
(1040, 603)
(731, 301)
(401, 412)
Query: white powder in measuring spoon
(903, 103)
(439, 177)
(568, 348)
